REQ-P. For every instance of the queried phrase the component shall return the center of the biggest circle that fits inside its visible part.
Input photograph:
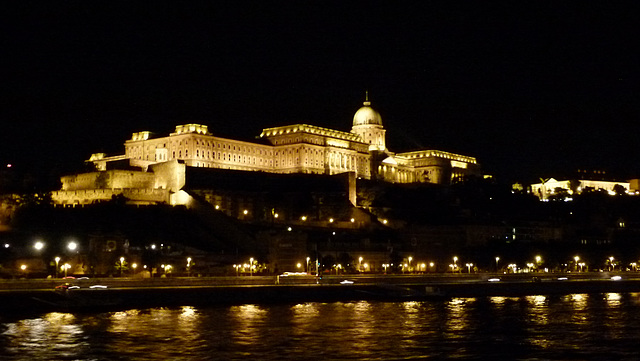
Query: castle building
(298, 148)
(290, 149)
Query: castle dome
(367, 115)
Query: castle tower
(367, 123)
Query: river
(569, 327)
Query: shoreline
(128, 294)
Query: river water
(571, 327)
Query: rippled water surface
(572, 327)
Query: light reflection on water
(579, 326)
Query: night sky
(529, 88)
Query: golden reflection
(457, 314)
(362, 317)
(52, 331)
(248, 318)
(613, 299)
(188, 313)
(59, 318)
(579, 301)
(411, 306)
(304, 317)
(539, 312)
(537, 301)
(412, 325)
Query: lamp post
(613, 265)
(66, 267)
(72, 246)
(469, 267)
(497, 260)
(307, 267)
(121, 265)
(57, 259)
(576, 259)
(188, 266)
(410, 259)
(251, 266)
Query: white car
(97, 286)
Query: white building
(551, 186)
(296, 148)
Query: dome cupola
(367, 115)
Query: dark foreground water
(572, 327)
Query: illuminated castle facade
(164, 162)
(298, 148)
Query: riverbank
(125, 294)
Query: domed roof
(367, 115)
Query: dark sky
(529, 88)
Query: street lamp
(307, 267)
(121, 265)
(410, 259)
(188, 266)
(72, 246)
(497, 260)
(613, 265)
(251, 266)
(57, 259)
(66, 266)
(38, 245)
(469, 265)
(576, 258)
